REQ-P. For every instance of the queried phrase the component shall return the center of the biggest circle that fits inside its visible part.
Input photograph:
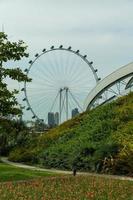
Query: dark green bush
(23, 155)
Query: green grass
(51, 186)
(11, 173)
(68, 188)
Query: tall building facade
(75, 112)
(56, 119)
(51, 121)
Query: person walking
(74, 169)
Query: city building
(56, 119)
(75, 112)
(51, 120)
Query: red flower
(90, 194)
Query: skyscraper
(75, 112)
(51, 120)
(56, 118)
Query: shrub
(22, 155)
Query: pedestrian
(74, 170)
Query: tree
(10, 51)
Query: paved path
(5, 160)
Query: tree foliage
(10, 51)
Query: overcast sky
(102, 29)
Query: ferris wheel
(61, 80)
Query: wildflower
(90, 194)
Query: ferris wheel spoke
(46, 63)
(41, 82)
(57, 64)
(61, 63)
(78, 97)
(67, 70)
(53, 71)
(81, 95)
(78, 85)
(36, 101)
(42, 92)
(33, 97)
(43, 68)
(48, 77)
(75, 76)
(72, 104)
(70, 109)
(81, 69)
(42, 97)
(66, 59)
(39, 73)
(76, 72)
(49, 73)
(72, 68)
(39, 89)
(79, 75)
(53, 103)
(40, 103)
(82, 78)
(46, 84)
(55, 108)
(67, 65)
(75, 100)
(43, 78)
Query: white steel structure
(110, 87)
(61, 80)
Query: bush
(23, 155)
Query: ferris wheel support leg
(60, 105)
(66, 103)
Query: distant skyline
(101, 29)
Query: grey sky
(100, 28)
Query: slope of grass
(10, 173)
(98, 140)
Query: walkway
(5, 160)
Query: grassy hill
(98, 140)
